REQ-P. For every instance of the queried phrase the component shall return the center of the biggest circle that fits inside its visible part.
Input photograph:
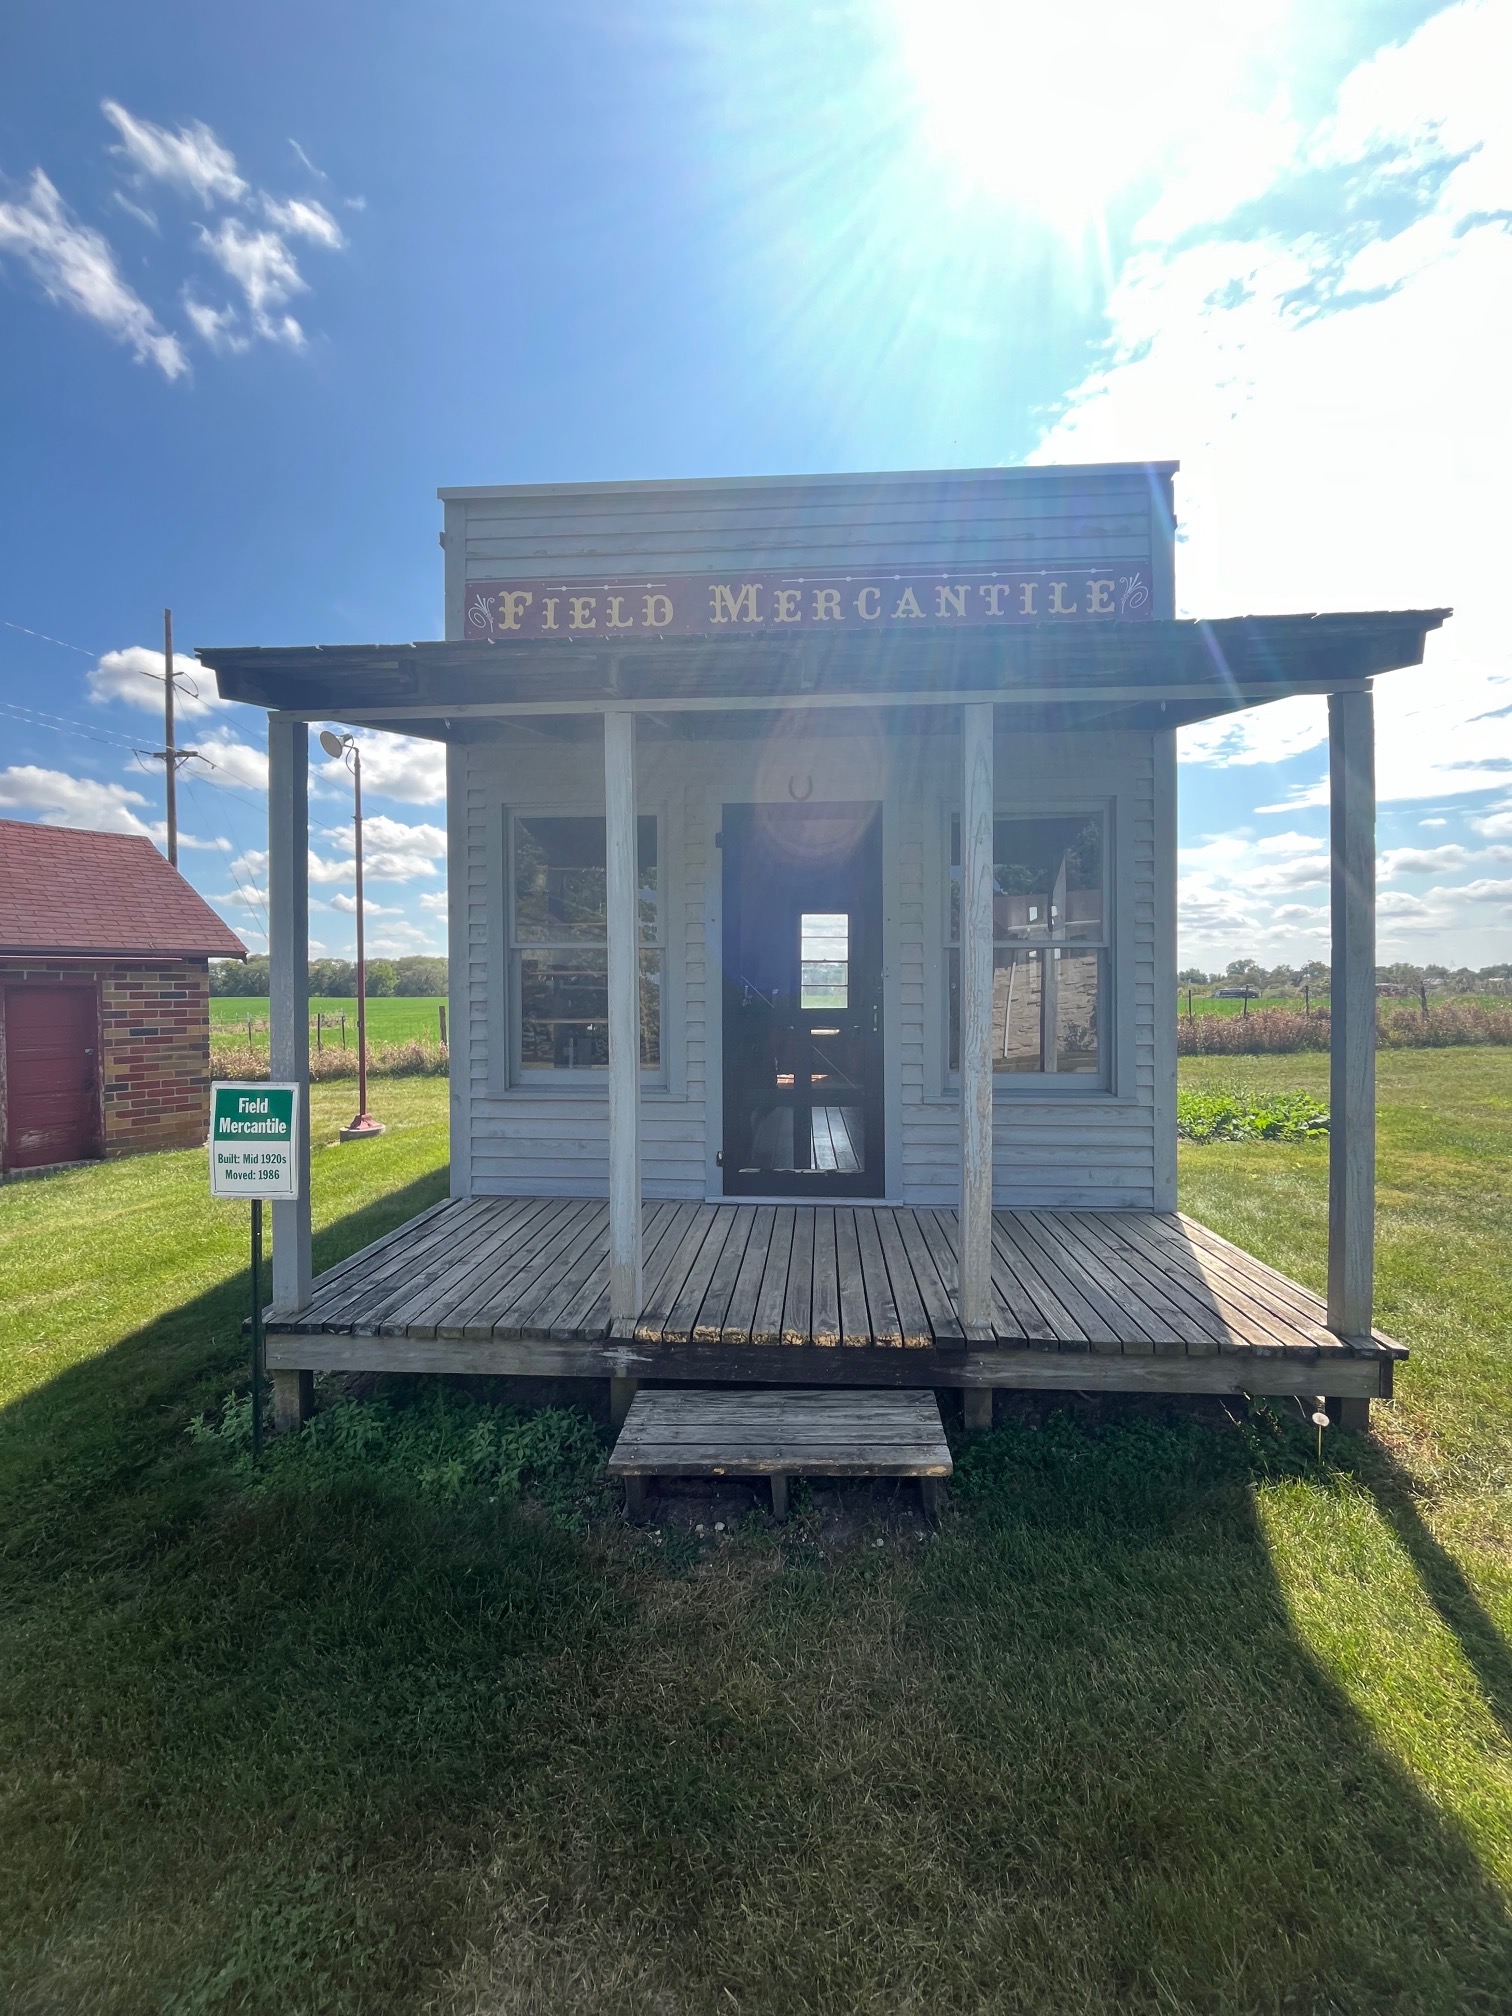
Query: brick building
(104, 997)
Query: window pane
(559, 892)
(824, 959)
(1047, 878)
(1022, 1015)
(564, 1010)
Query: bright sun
(1058, 105)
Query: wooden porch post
(624, 1023)
(1351, 1141)
(289, 1020)
(976, 1019)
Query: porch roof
(1160, 673)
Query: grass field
(392, 1018)
(1164, 1719)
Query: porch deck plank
(875, 1277)
(1190, 1320)
(473, 1304)
(855, 1323)
(740, 1312)
(662, 1293)
(683, 1315)
(882, 1309)
(798, 1303)
(912, 1319)
(1135, 1325)
(825, 1323)
(1078, 1326)
(366, 1298)
(708, 1325)
(538, 1283)
(1252, 1322)
(934, 1290)
(417, 1312)
(766, 1318)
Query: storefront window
(559, 943)
(1050, 946)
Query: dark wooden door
(52, 1084)
(803, 1000)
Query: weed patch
(1226, 1114)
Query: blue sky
(269, 276)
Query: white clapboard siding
(1070, 1149)
(998, 517)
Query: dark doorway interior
(803, 1000)
(52, 1083)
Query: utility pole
(170, 754)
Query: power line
(5, 620)
(60, 724)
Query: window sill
(1054, 1089)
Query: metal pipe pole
(257, 1329)
(364, 1126)
(361, 946)
(170, 754)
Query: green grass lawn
(1163, 1720)
(391, 1018)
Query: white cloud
(1271, 734)
(391, 850)
(435, 900)
(232, 762)
(135, 675)
(369, 907)
(1433, 822)
(302, 217)
(1395, 904)
(62, 800)
(393, 766)
(1329, 367)
(396, 941)
(265, 269)
(192, 160)
(1396, 861)
(1483, 891)
(249, 898)
(76, 269)
(217, 328)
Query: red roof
(66, 891)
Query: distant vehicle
(1236, 993)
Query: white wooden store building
(812, 867)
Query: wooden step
(779, 1433)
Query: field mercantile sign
(709, 605)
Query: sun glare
(1056, 108)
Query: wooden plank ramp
(780, 1433)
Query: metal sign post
(254, 1153)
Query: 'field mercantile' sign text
(715, 605)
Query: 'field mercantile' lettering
(702, 605)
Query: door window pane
(824, 959)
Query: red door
(52, 1098)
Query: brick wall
(155, 1045)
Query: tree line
(1316, 975)
(336, 979)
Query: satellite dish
(332, 744)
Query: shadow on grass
(1447, 1588)
(350, 1746)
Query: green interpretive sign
(254, 1140)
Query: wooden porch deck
(844, 1293)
